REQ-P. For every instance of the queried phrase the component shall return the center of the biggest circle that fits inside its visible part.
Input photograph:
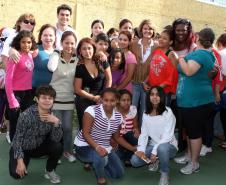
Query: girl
(63, 65)
(100, 123)
(124, 41)
(163, 63)
(126, 25)
(19, 78)
(112, 33)
(46, 45)
(129, 127)
(97, 27)
(142, 49)
(117, 63)
(90, 78)
(158, 124)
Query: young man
(38, 133)
(64, 13)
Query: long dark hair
(112, 57)
(161, 106)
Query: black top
(90, 84)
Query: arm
(129, 72)
(143, 138)
(53, 61)
(168, 130)
(120, 140)
(189, 68)
(173, 58)
(83, 93)
(136, 129)
(217, 93)
(87, 125)
(108, 77)
(10, 68)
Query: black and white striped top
(102, 128)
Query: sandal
(223, 145)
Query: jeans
(165, 152)
(139, 98)
(50, 148)
(123, 153)
(109, 165)
(65, 117)
(3, 101)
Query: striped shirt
(128, 119)
(102, 128)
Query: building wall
(161, 12)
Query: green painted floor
(213, 172)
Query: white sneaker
(52, 176)
(182, 159)
(164, 179)
(7, 137)
(154, 166)
(205, 150)
(190, 168)
(71, 158)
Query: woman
(91, 77)
(195, 96)
(100, 123)
(46, 45)
(126, 25)
(124, 42)
(142, 50)
(24, 22)
(63, 65)
(158, 124)
(97, 27)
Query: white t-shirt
(8, 42)
(223, 60)
(59, 34)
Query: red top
(218, 80)
(162, 71)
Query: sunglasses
(29, 22)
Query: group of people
(130, 88)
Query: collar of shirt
(148, 50)
(104, 115)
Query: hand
(153, 158)
(146, 87)
(102, 56)
(101, 151)
(97, 99)
(50, 118)
(14, 55)
(140, 154)
(136, 132)
(21, 168)
(217, 98)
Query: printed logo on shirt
(29, 65)
(157, 63)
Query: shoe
(164, 179)
(190, 168)
(59, 161)
(71, 158)
(52, 176)
(182, 159)
(154, 166)
(87, 167)
(205, 150)
(223, 145)
(7, 137)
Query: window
(221, 3)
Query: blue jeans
(65, 117)
(165, 152)
(109, 165)
(139, 98)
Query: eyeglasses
(29, 22)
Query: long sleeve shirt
(159, 128)
(31, 132)
(18, 77)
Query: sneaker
(7, 137)
(182, 159)
(154, 166)
(52, 176)
(71, 158)
(190, 168)
(205, 150)
(59, 161)
(164, 179)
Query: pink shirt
(130, 59)
(18, 77)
